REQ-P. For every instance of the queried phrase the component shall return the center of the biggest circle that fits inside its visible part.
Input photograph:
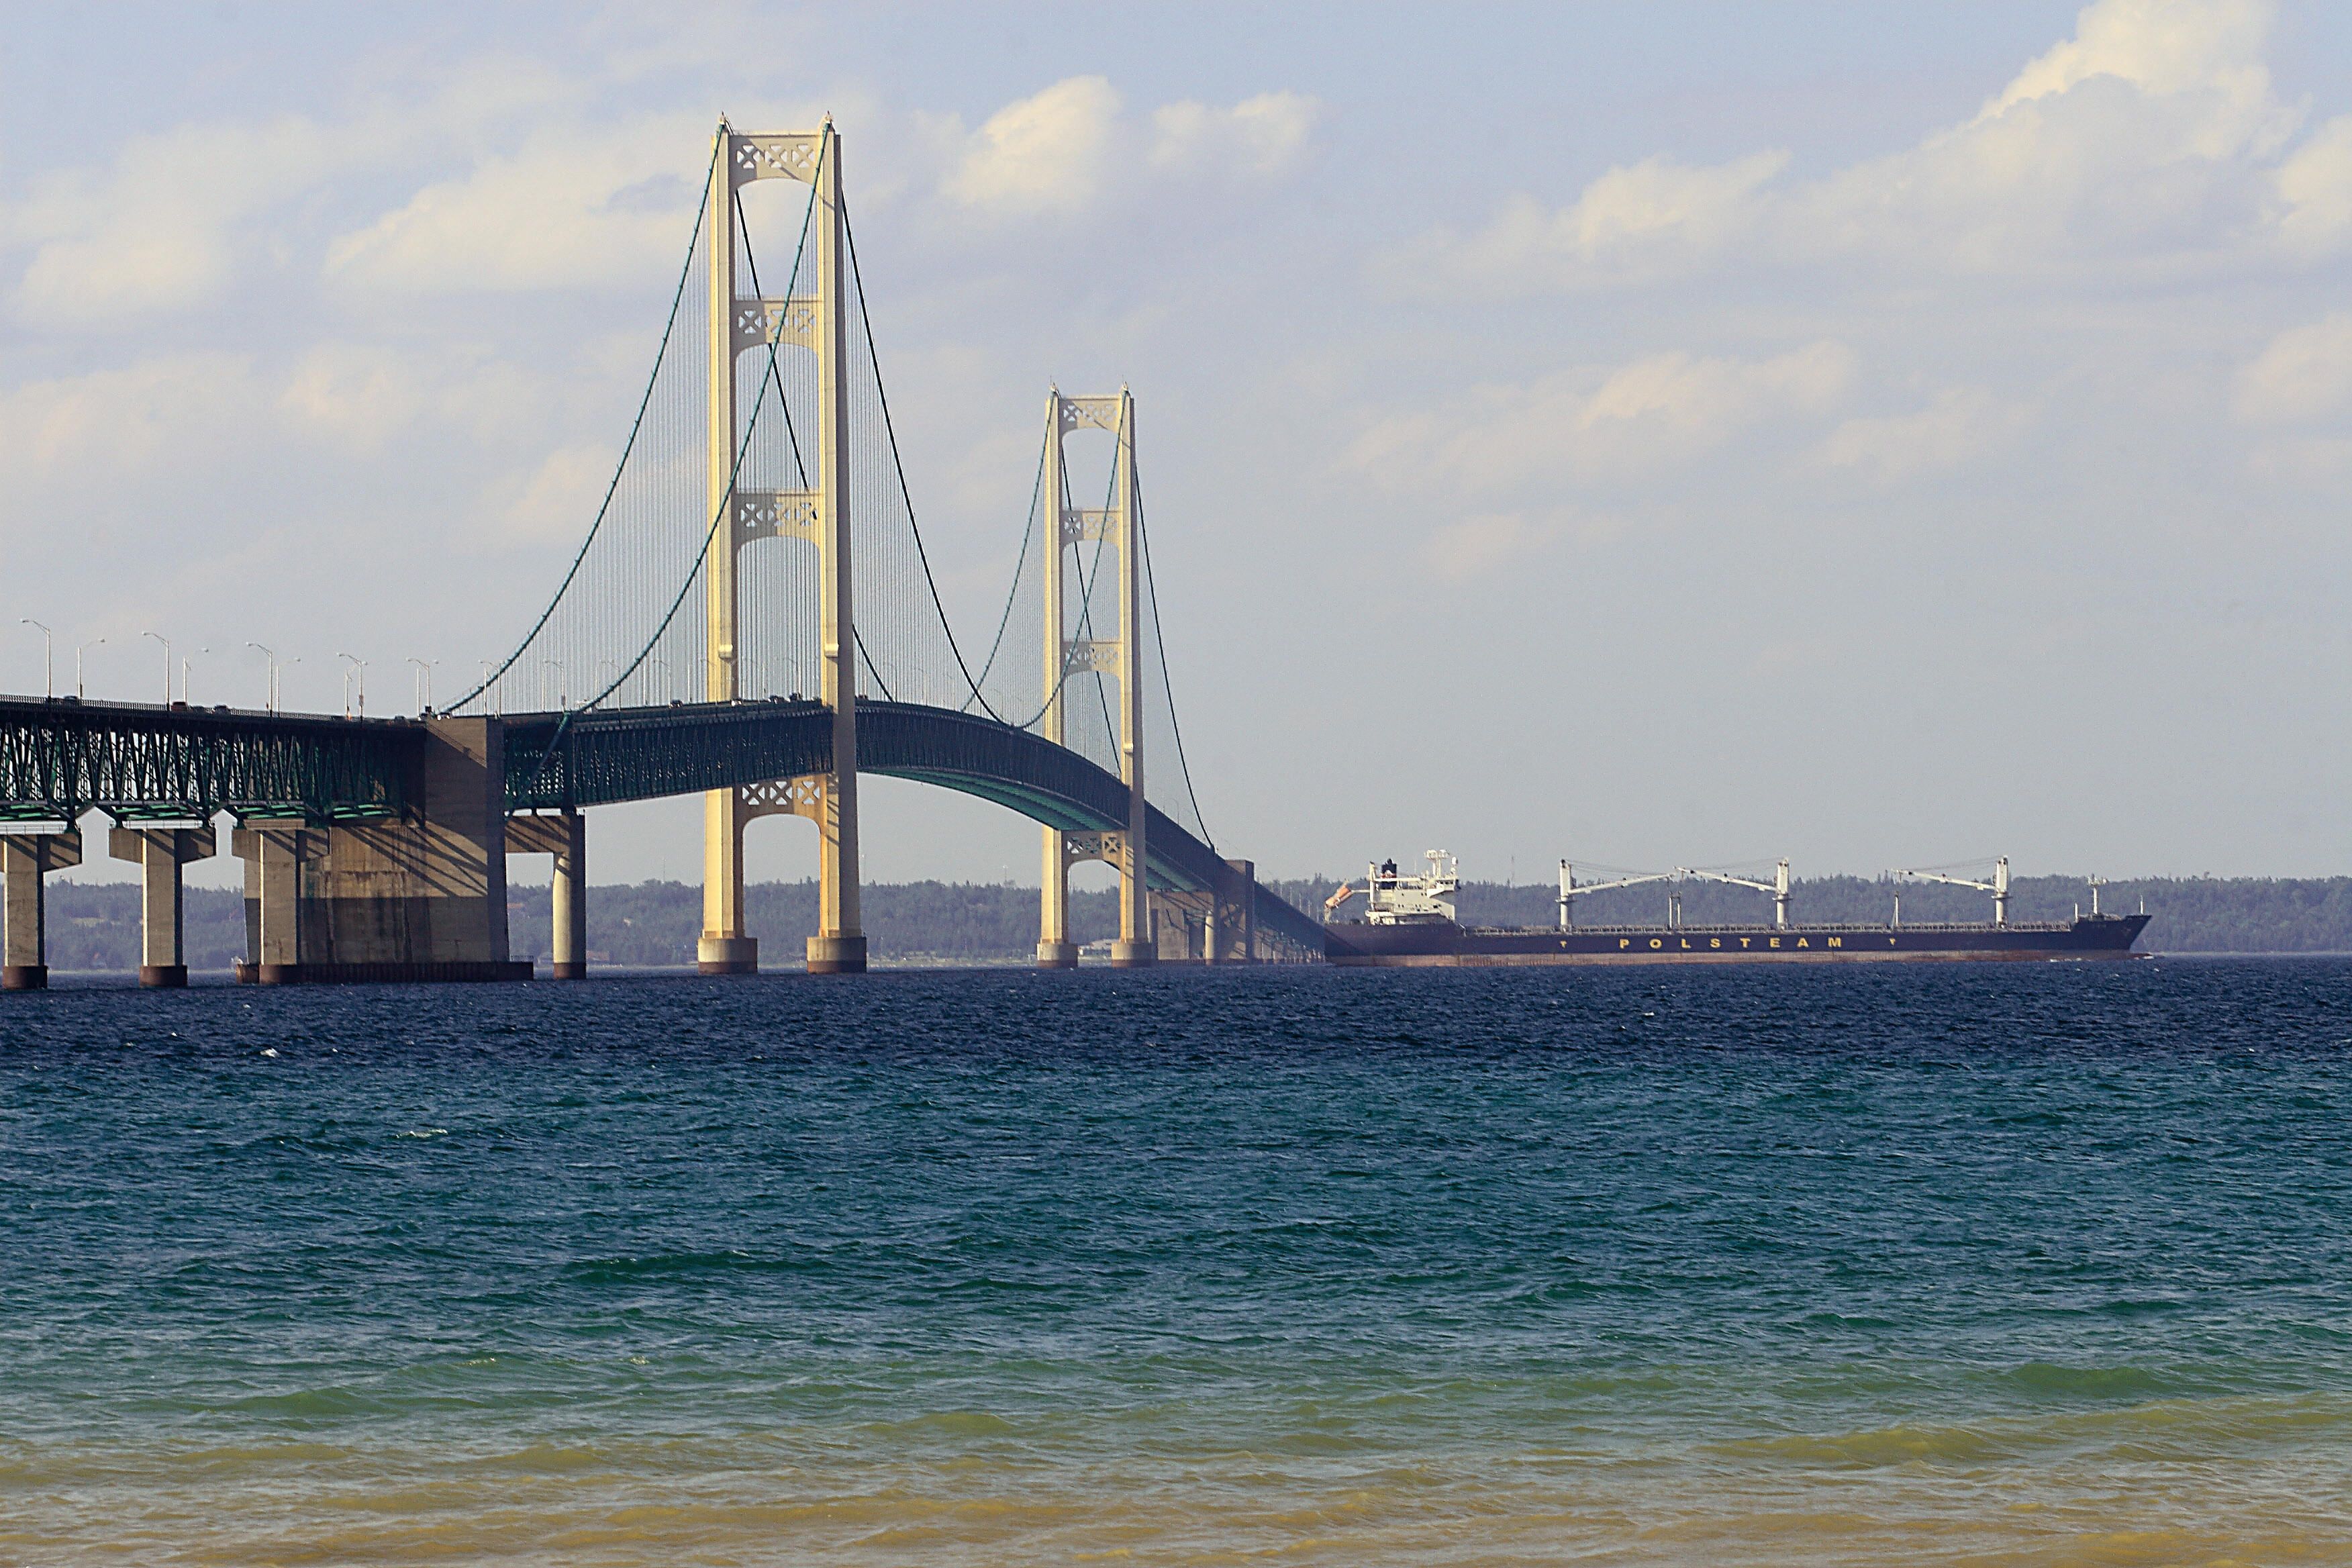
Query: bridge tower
(819, 516)
(1120, 657)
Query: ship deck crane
(1570, 890)
(1997, 887)
(1777, 887)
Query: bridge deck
(61, 758)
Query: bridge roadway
(60, 758)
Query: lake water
(1985, 1265)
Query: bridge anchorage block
(1057, 955)
(727, 955)
(836, 956)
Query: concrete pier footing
(727, 955)
(26, 860)
(161, 853)
(836, 956)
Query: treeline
(95, 926)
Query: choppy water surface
(2046, 1264)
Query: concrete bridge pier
(1054, 948)
(1174, 922)
(273, 853)
(568, 899)
(24, 859)
(564, 836)
(1217, 924)
(421, 897)
(1232, 920)
(160, 852)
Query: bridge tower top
(1116, 526)
(817, 515)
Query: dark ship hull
(1441, 942)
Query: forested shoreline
(95, 926)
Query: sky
(1648, 433)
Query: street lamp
(185, 661)
(557, 665)
(78, 653)
(48, 657)
(167, 663)
(269, 691)
(424, 675)
(359, 668)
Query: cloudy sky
(1648, 433)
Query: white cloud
(1067, 148)
(1046, 153)
(1651, 220)
(2150, 135)
(182, 213)
(154, 417)
(1264, 135)
(1661, 410)
(2206, 51)
(558, 501)
(573, 206)
(2315, 191)
(358, 395)
(1960, 424)
(1482, 542)
(1474, 545)
(162, 230)
(2304, 375)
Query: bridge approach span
(143, 762)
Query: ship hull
(1442, 944)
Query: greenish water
(2000, 1263)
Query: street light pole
(167, 663)
(359, 668)
(269, 688)
(424, 673)
(48, 658)
(78, 653)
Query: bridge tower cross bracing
(1120, 657)
(820, 516)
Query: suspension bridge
(750, 616)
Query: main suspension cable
(1175, 725)
(849, 235)
(676, 298)
(1036, 489)
(727, 502)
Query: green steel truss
(600, 758)
(59, 759)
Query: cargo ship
(1409, 921)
